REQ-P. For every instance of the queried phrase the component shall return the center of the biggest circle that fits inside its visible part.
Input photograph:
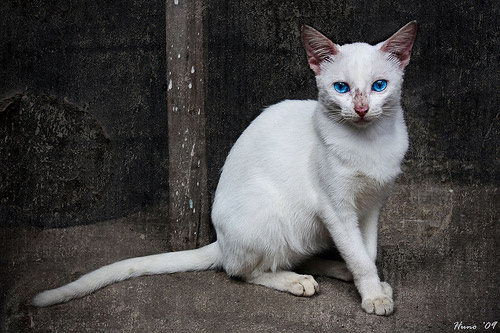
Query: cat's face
(359, 83)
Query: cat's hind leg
(296, 284)
(329, 268)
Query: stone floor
(439, 248)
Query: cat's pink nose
(361, 110)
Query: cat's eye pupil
(341, 87)
(379, 85)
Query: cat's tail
(204, 258)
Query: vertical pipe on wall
(188, 212)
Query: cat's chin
(361, 123)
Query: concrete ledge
(438, 249)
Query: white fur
(192, 260)
(303, 177)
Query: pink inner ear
(401, 43)
(318, 47)
(313, 63)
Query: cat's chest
(358, 174)
(368, 156)
(363, 185)
(365, 190)
(368, 166)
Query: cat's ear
(401, 42)
(318, 47)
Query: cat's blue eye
(379, 85)
(341, 87)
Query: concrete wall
(87, 139)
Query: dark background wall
(86, 139)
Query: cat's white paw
(303, 285)
(381, 305)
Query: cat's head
(359, 83)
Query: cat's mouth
(362, 121)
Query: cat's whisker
(388, 114)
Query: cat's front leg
(376, 297)
(368, 224)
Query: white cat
(303, 177)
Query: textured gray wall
(88, 139)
